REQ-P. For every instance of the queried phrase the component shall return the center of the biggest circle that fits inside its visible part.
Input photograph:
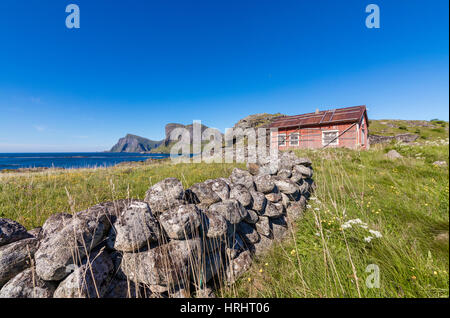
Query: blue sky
(135, 65)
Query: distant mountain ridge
(133, 143)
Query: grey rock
(230, 209)
(90, 280)
(164, 265)
(221, 188)
(135, 228)
(238, 266)
(296, 176)
(15, 257)
(11, 231)
(119, 288)
(285, 200)
(263, 246)
(204, 193)
(248, 232)
(164, 195)
(274, 210)
(259, 201)
(306, 172)
(295, 210)
(393, 154)
(239, 176)
(116, 258)
(304, 162)
(83, 232)
(27, 285)
(263, 226)
(278, 227)
(37, 233)
(273, 197)
(240, 193)
(180, 222)
(55, 223)
(285, 185)
(284, 173)
(252, 217)
(264, 183)
(214, 224)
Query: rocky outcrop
(175, 243)
(406, 138)
(133, 143)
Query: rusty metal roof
(326, 117)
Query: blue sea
(70, 160)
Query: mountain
(133, 143)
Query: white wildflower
(368, 239)
(375, 233)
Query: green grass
(427, 130)
(406, 200)
(30, 198)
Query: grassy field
(405, 201)
(426, 130)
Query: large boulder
(264, 183)
(166, 265)
(221, 188)
(305, 171)
(285, 185)
(15, 257)
(243, 177)
(11, 231)
(83, 232)
(180, 222)
(136, 227)
(214, 224)
(55, 223)
(231, 210)
(164, 195)
(240, 193)
(274, 210)
(202, 193)
(27, 285)
(90, 280)
(259, 201)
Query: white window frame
(278, 139)
(335, 142)
(298, 139)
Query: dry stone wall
(175, 243)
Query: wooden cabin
(341, 127)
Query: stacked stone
(174, 243)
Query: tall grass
(406, 200)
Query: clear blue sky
(135, 65)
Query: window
(293, 139)
(281, 139)
(363, 137)
(330, 138)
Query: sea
(70, 160)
